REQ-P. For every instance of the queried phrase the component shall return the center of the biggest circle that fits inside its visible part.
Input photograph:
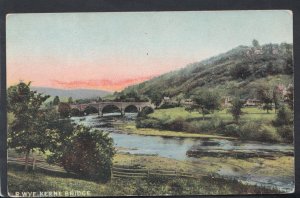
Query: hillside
(240, 69)
(74, 93)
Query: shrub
(286, 132)
(88, 154)
(148, 123)
(284, 116)
(176, 125)
(231, 130)
(257, 132)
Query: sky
(110, 51)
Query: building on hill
(252, 102)
(186, 101)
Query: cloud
(103, 84)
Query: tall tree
(290, 96)
(70, 100)
(236, 108)
(255, 43)
(28, 130)
(265, 95)
(56, 100)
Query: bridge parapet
(121, 105)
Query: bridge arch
(90, 110)
(131, 109)
(110, 108)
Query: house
(187, 101)
(252, 102)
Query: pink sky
(111, 74)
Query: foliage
(231, 130)
(28, 130)
(290, 96)
(64, 109)
(234, 67)
(56, 100)
(206, 101)
(284, 123)
(70, 100)
(145, 111)
(236, 108)
(240, 71)
(286, 132)
(87, 153)
(284, 116)
(156, 98)
(129, 96)
(265, 95)
(255, 43)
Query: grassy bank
(255, 124)
(250, 113)
(20, 181)
(130, 128)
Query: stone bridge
(122, 106)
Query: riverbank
(280, 167)
(41, 181)
(130, 128)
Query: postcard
(150, 103)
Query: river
(176, 148)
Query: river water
(176, 148)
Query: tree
(64, 109)
(277, 97)
(70, 100)
(236, 108)
(206, 101)
(255, 43)
(88, 153)
(156, 98)
(240, 71)
(284, 116)
(290, 96)
(56, 100)
(29, 129)
(99, 99)
(284, 123)
(265, 95)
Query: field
(250, 113)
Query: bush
(88, 154)
(148, 123)
(257, 132)
(231, 130)
(284, 116)
(286, 132)
(176, 125)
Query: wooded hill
(238, 70)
